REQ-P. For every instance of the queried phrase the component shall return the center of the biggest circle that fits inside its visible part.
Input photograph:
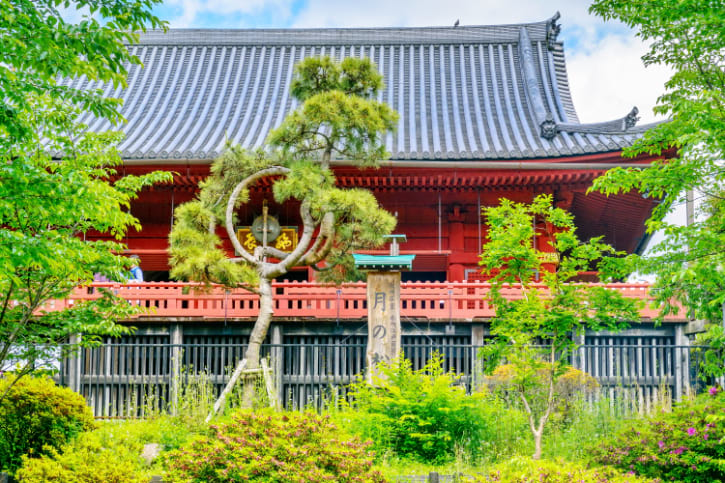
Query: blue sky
(603, 59)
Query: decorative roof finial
(631, 119)
(552, 31)
(548, 128)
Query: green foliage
(687, 444)
(569, 388)
(424, 415)
(111, 454)
(196, 253)
(507, 437)
(267, 446)
(46, 207)
(358, 77)
(711, 364)
(524, 470)
(686, 36)
(552, 308)
(55, 177)
(533, 333)
(587, 424)
(37, 416)
(40, 46)
(338, 115)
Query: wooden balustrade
(306, 300)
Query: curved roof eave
(497, 93)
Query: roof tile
(462, 92)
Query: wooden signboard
(384, 332)
(286, 241)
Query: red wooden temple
(485, 113)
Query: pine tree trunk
(259, 333)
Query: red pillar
(456, 272)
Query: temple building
(485, 113)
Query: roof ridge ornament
(630, 120)
(619, 125)
(549, 128)
(552, 30)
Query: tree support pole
(227, 389)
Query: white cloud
(607, 79)
(192, 12)
(380, 13)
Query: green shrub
(569, 388)
(36, 415)
(526, 470)
(111, 454)
(424, 415)
(170, 432)
(272, 447)
(686, 444)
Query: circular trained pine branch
(315, 253)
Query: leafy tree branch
(539, 310)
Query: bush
(424, 415)
(569, 388)
(35, 415)
(272, 447)
(525, 470)
(169, 432)
(686, 444)
(108, 455)
(112, 453)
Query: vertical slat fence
(128, 378)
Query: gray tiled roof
(485, 92)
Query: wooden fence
(122, 380)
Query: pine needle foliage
(337, 118)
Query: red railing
(305, 300)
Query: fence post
(478, 333)
(277, 362)
(682, 364)
(176, 339)
(577, 357)
(74, 364)
(433, 477)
